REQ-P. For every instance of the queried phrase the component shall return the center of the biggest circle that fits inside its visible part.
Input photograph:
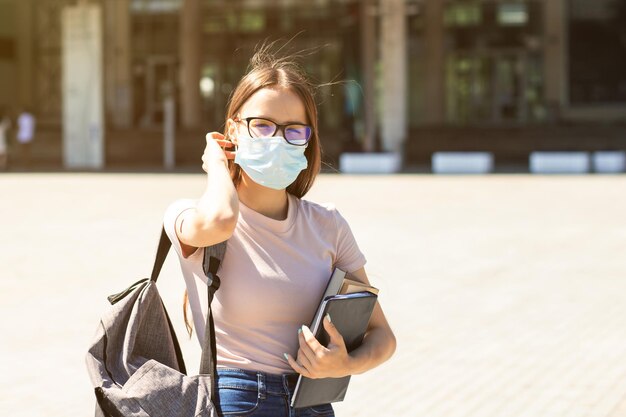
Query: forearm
(219, 202)
(378, 346)
(215, 215)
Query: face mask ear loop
(229, 138)
(236, 145)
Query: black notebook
(350, 313)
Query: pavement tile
(506, 292)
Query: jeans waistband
(266, 383)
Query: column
(118, 75)
(190, 62)
(368, 61)
(555, 58)
(82, 86)
(434, 65)
(394, 81)
(25, 34)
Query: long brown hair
(266, 70)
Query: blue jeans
(259, 394)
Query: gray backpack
(135, 362)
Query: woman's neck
(266, 201)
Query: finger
(223, 142)
(229, 154)
(311, 349)
(309, 337)
(228, 147)
(308, 342)
(296, 366)
(214, 136)
(225, 145)
(333, 333)
(305, 362)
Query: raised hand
(217, 149)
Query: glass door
(468, 88)
(499, 87)
(508, 85)
(160, 82)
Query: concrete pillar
(82, 85)
(555, 54)
(190, 62)
(434, 64)
(25, 46)
(368, 61)
(394, 80)
(117, 62)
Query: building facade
(388, 70)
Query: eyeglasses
(294, 133)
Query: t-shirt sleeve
(169, 222)
(349, 256)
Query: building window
(155, 6)
(463, 14)
(597, 52)
(512, 14)
(494, 66)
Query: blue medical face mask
(270, 161)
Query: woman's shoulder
(176, 206)
(319, 212)
(174, 209)
(323, 209)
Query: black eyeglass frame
(278, 126)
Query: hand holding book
(315, 360)
(327, 344)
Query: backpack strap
(213, 256)
(159, 259)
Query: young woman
(281, 250)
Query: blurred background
(132, 84)
(506, 292)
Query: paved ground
(507, 293)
